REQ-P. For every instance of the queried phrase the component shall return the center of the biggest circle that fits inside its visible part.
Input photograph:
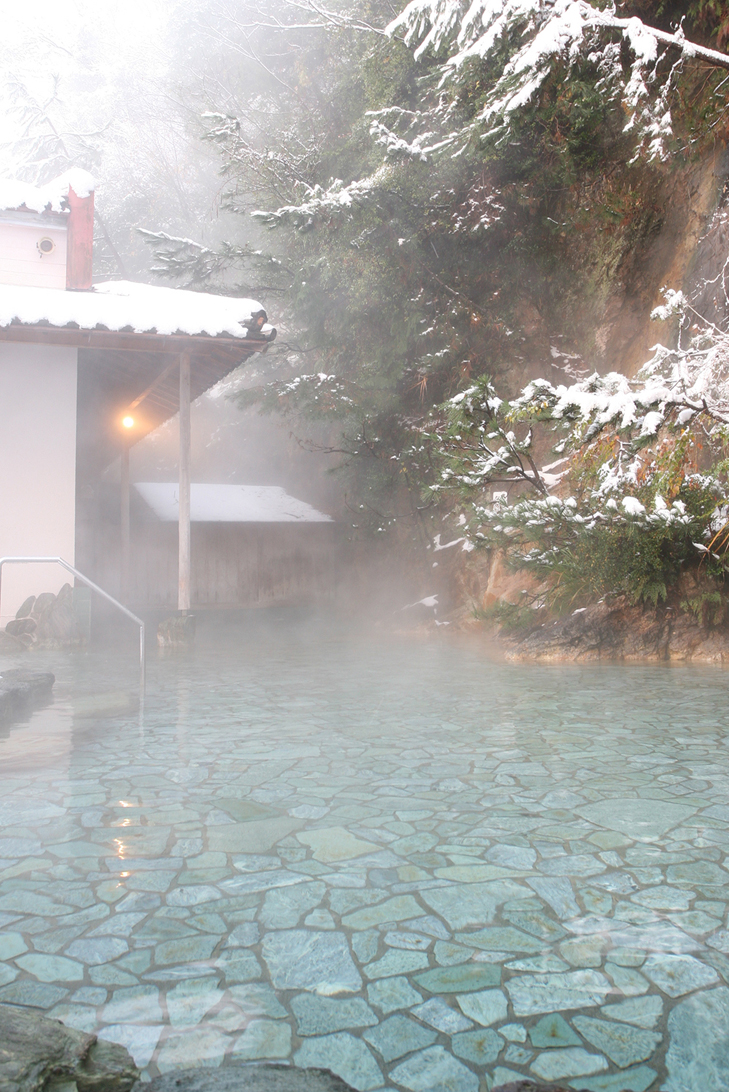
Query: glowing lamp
(128, 422)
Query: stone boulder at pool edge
(248, 1078)
(20, 689)
(37, 1053)
(282, 1078)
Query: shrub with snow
(641, 487)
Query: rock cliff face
(687, 248)
(618, 631)
(683, 252)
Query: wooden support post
(124, 513)
(183, 588)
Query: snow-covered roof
(128, 306)
(48, 198)
(229, 504)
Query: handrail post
(94, 587)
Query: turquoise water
(395, 859)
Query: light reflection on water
(396, 859)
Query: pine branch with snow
(315, 395)
(522, 41)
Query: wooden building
(101, 361)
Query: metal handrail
(94, 587)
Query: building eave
(132, 340)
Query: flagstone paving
(414, 867)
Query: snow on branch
(317, 17)
(629, 451)
(320, 202)
(317, 395)
(199, 266)
(523, 41)
(673, 387)
(624, 509)
(545, 31)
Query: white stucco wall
(21, 261)
(37, 467)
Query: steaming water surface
(392, 859)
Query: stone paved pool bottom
(395, 860)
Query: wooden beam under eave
(131, 341)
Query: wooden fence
(233, 564)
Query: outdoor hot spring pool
(393, 859)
